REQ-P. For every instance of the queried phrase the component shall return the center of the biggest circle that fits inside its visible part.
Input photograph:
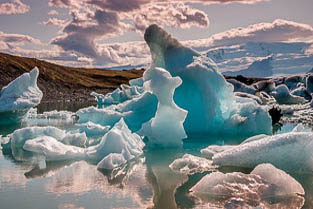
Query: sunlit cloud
(13, 7)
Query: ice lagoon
(177, 138)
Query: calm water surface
(146, 182)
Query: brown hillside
(64, 83)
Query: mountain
(287, 58)
(64, 83)
(259, 68)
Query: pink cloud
(53, 12)
(55, 22)
(13, 7)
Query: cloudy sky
(110, 32)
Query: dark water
(146, 182)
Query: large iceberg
(204, 93)
(22, 93)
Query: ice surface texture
(166, 128)
(264, 182)
(290, 152)
(22, 93)
(52, 144)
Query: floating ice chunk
(284, 183)
(55, 144)
(166, 128)
(241, 87)
(119, 95)
(21, 136)
(118, 140)
(111, 161)
(53, 150)
(290, 151)
(22, 93)
(135, 112)
(190, 164)
(283, 96)
(293, 81)
(301, 92)
(266, 86)
(264, 182)
(136, 82)
(92, 129)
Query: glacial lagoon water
(144, 182)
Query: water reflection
(143, 183)
(163, 180)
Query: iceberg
(166, 127)
(254, 189)
(118, 140)
(283, 96)
(289, 151)
(22, 93)
(202, 93)
(116, 147)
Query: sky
(106, 33)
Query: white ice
(22, 93)
(190, 164)
(289, 151)
(54, 144)
(283, 96)
(264, 182)
(166, 127)
(118, 140)
(93, 129)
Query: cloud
(277, 31)
(173, 15)
(13, 7)
(11, 39)
(81, 33)
(53, 12)
(55, 22)
(95, 20)
(130, 5)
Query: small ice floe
(190, 164)
(257, 189)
